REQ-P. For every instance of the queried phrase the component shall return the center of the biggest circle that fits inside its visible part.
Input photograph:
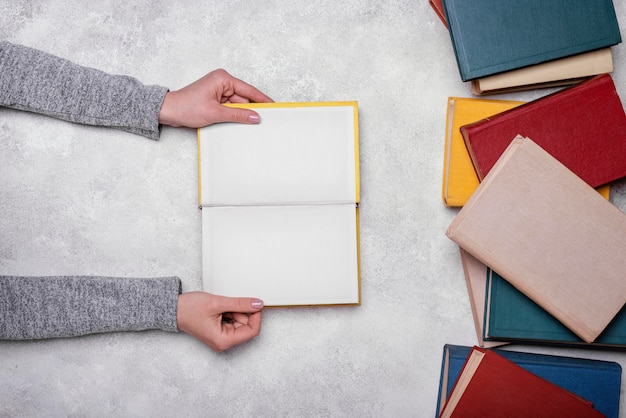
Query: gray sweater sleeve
(68, 306)
(35, 81)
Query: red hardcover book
(491, 386)
(437, 6)
(583, 126)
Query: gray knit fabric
(68, 306)
(50, 307)
(38, 82)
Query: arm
(38, 82)
(70, 306)
(67, 306)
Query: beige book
(550, 234)
(561, 72)
(476, 280)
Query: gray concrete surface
(86, 200)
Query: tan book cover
(561, 72)
(550, 234)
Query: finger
(245, 90)
(240, 318)
(238, 115)
(238, 305)
(232, 335)
(238, 99)
(242, 333)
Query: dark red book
(583, 126)
(491, 386)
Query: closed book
(489, 385)
(493, 36)
(475, 274)
(598, 381)
(583, 126)
(559, 72)
(511, 316)
(279, 200)
(562, 72)
(539, 225)
(459, 177)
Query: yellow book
(279, 205)
(459, 177)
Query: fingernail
(254, 118)
(257, 304)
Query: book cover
(512, 316)
(595, 380)
(561, 72)
(493, 36)
(556, 73)
(489, 385)
(475, 274)
(459, 178)
(582, 126)
(279, 205)
(539, 225)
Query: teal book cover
(512, 316)
(493, 36)
(597, 381)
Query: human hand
(201, 103)
(220, 322)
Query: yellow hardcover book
(459, 177)
(279, 205)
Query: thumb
(238, 115)
(243, 305)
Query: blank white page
(285, 255)
(298, 154)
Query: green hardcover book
(513, 317)
(493, 36)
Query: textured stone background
(85, 200)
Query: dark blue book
(511, 316)
(493, 36)
(597, 381)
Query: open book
(280, 205)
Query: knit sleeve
(68, 306)
(35, 81)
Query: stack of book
(503, 46)
(557, 247)
(478, 382)
(540, 243)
